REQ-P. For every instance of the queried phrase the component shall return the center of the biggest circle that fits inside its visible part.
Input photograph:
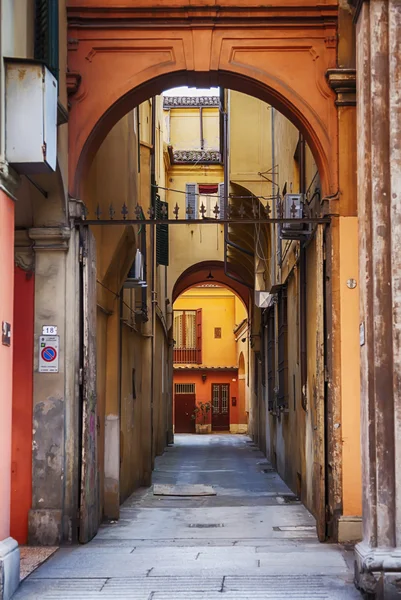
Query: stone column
(378, 30)
(49, 400)
(9, 552)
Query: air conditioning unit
(293, 208)
(263, 299)
(30, 116)
(135, 276)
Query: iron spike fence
(246, 213)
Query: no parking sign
(48, 353)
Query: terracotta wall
(203, 389)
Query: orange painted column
(21, 457)
(6, 356)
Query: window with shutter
(282, 350)
(46, 34)
(191, 201)
(271, 366)
(221, 201)
(162, 235)
(187, 331)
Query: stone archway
(120, 55)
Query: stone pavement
(252, 540)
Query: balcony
(186, 356)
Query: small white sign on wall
(48, 353)
(49, 330)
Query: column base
(349, 529)
(9, 568)
(44, 527)
(378, 572)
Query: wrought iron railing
(185, 356)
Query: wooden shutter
(199, 336)
(162, 237)
(46, 34)
(282, 350)
(271, 368)
(191, 201)
(222, 213)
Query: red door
(220, 407)
(184, 405)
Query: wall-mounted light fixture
(210, 276)
(204, 377)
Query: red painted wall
(203, 389)
(21, 466)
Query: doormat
(183, 490)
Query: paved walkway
(252, 540)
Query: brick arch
(119, 56)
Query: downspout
(152, 270)
(274, 186)
(302, 275)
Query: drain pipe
(152, 276)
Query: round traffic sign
(49, 354)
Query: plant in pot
(200, 416)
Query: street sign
(49, 330)
(48, 353)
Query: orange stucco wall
(203, 389)
(21, 457)
(6, 356)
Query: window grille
(224, 398)
(184, 388)
(215, 398)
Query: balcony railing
(186, 356)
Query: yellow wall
(185, 128)
(219, 309)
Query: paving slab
(252, 539)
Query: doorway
(220, 407)
(184, 407)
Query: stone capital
(50, 238)
(343, 82)
(23, 250)
(9, 179)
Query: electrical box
(31, 117)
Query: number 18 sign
(48, 353)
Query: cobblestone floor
(252, 540)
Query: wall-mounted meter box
(31, 116)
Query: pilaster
(50, 245)
(378, 556)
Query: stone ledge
(50, 238)
(9, 568)
(343, 82)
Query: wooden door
(89, 496)
(183, 412)
(220, 407)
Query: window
(201, 200)
(46, 34)
(184, 388)
(187, 329)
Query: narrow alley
(251, 539)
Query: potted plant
(200, 415)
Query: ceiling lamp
(210, 276)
